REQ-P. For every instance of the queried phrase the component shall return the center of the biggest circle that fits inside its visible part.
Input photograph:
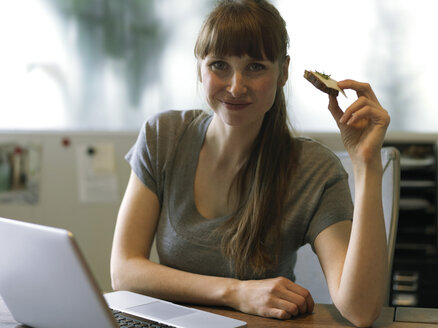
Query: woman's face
(240, 90)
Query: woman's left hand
(363, 124)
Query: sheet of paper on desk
(97, 173)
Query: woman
(231, 196)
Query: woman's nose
(237, 85)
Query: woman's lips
(235, 105)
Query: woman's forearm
(362, 287)
(156, 280)
(146, 277)
(276, 297)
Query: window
(109, 64)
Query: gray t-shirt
(165, 158)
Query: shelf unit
(415, 267)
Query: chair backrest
(308, 270)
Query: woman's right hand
(275, 298)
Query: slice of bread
(324, 83)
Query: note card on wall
(97, 173)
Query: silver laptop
(45, 282)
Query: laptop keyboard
(129, 321)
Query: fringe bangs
(238, 31)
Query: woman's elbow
(116, 283)
(363, 319)
(118, 274)
(362, 316)
(127, 273)
(116, 279)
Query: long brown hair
(250, 237)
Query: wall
(59, 204)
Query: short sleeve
(143, 157)
(322, 190)
(153, 152)
(335, 205)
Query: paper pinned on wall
(20, 168)
(97, 173)
(103, 158)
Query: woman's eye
(256, 67)
(219, 65)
